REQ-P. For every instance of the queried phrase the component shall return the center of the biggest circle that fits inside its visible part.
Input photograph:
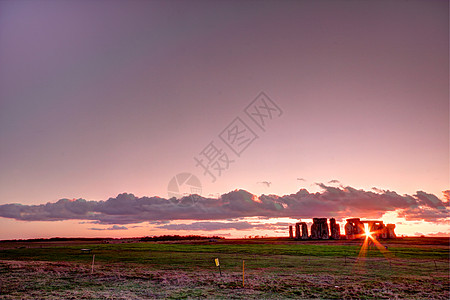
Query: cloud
(439, 234)
(334, 181)
(429, 208)
(159, 222)
(377, 190)
(222, 234)
(335, 202)
(213, 226)
(210, 226)
(447, 196)
(430, 200)
(266, 183)
(114, 227)
(301, 179)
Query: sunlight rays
(369, 241)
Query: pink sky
(99, 98)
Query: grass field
(410, 269)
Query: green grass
(179, 271)
(152, 253)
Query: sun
(371, 239)
(367, 231)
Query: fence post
(93, 259)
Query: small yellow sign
(217, 262)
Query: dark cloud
(424, 213)
(212, 226)
(114, 227)
(334, 181)
(378, 190)
(159, 222)
(430, 200)
(447, 196)
(265, 183)
(429, 208)
(335, 202)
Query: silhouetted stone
(304, 231)
(297, 231)
(335, 229)
(319, 229)
(376, 228)
(390, 231)
(354, 229)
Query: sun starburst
(371, 240)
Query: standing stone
(291, 234)
(349, 231)
(360, 229)
(335, 229)
(304, 231)
(354, 229)
(314, 231)
(376, 228)
(297, 231)
(384, 232)
(324, 230)
(390, 231)
(319, 229)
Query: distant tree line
(178, 238)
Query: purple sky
(98, 98)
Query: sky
(270, 111)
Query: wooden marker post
(243, 272)
(218, 265)
(93, 260)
